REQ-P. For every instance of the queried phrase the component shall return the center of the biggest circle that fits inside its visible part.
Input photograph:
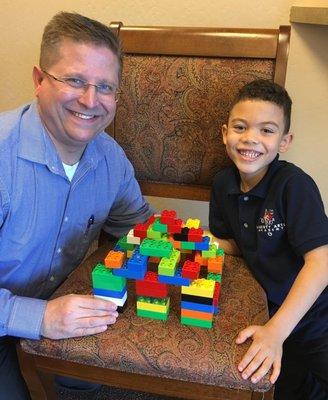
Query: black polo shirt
(274, 225)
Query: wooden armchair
(175, 94)
(176, 90)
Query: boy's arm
(266, 348)
(228, 245)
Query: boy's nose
(250, 136)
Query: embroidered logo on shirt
(267, 224)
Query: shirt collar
(37, 146)
(261, 189)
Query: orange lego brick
(215, 265)
(114, 259)
(196, 314)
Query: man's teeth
(249, 153)
(83, 116)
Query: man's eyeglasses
(78, 84)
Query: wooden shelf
(309, 15)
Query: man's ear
(285, 142)
(224, 131)
(37, 79)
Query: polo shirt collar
(261, 189)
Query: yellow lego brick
(199, 287)
(192, 223)
(129, 253)
(141, 305)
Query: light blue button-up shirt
(47, 222)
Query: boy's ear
(224, 131)
(285, 142)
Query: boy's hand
(265, 352)
(77, 315)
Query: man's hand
(265, 352)
(77, 315)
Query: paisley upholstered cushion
(168, 349)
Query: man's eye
(106, 89)
(75, 82)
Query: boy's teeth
(83, 116)
(249, 153)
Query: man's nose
(89, 97)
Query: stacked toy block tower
(181, 252)
(108, 286)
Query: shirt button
(52, 278)
(246, 198)
(59, 250)
(65, 219)
(245, 225)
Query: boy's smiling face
(253, 137)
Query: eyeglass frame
(85, 84)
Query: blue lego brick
(177, 279)
(137, 260)
(204, 245)
(198, 307)
(216, 310)
(109, 293)
(131, 272)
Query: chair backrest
(176, 89)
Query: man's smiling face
(74, 117)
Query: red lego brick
(190, 269)
(216, 296)
(168, 216)
(140, 230)
(175, 226)
(195, 235)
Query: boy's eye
(238, 128)
(268, 131)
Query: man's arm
(129, 207)
(266, 348)
(20, 316)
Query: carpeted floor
(110, 393)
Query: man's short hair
(262, 89)
(78, 28)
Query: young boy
(271, 213)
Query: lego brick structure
(161, 252)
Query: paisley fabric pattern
(171, 110)
(168, 349)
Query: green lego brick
(157, 226)
(220, 252)
(187, 245)
(154, 300)
(152, 314)
(196, 322)
(214, 277)
(152, 234)
(124, 245)
(103, 278)
(168, 265)
(211, 253)
(156, 248)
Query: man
(61, 179)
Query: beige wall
(22, 22)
